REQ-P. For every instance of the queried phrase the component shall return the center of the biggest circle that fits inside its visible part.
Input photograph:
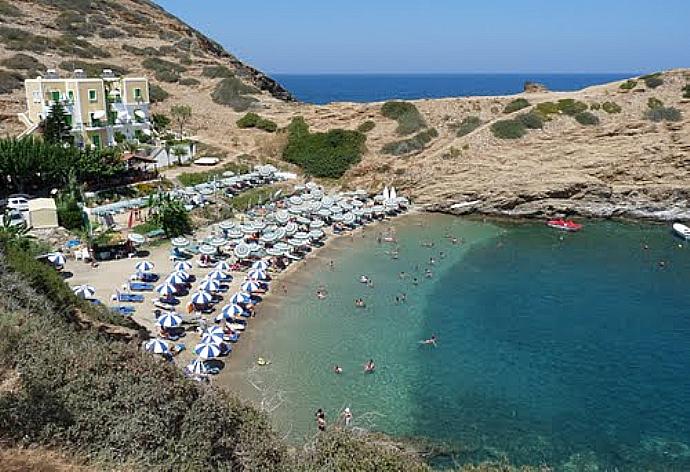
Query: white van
(18, 203)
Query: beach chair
(123, 310)
(130, 298)
(140, 286)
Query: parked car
(18, 203)
(15, 218)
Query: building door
(55, 96)
(96, 140)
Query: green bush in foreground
(7, 9)
(189, 82)
(232, 92)
(531, 120)
(413, 144)
(157, 93)
(10, 81)
(327, 154)
(467, 125)
(515, 105)
(653, 81)
(547, 108)
(654, 102)
(508, 129)
(406, 114)
(686, 91)
(611, 107)
(595, 106)
(252, 120)
(217, 72)
(629, 84)
(571, 107)
(586, 118)
(663, 114)
(366, 126)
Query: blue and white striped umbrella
(232, 309)
(143, 266)
(209, 285)
(166, 289)
(223, 316)
(201, 298)
(184, 274)
(222, 265)
(261, 265)
(156, 346)
(207, 350)
(257, 274)
(214, 338)
(87, 292)
(197, 366)
(182, 266)
(217, 275)
(169, 320)
(176, 279)
(57, 258)
(240, 297)
(250, 286)
(213, 330)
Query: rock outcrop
(534, 87)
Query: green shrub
(110, 33)
(10, 81)
(686, 91)
(611, 107)
(548, 108)
(189, 179)
(508, 129)
(189, 82)
(73, 23)
(467, 125)
(531, 120)
(413, 144)
(23, 62)
(72, 45)
(654, 102)
(594, 106)
(629, 84)
(217, 72)
(157, 64)
(186, 61)
(663, 114)
(231, 92)
(169, 76)
(586, 118)
(7, 9)
(653, 81)
(157, 93)
(327, 154)
(147, 51)
(406, 114)
(515, 105)
(571, 107)
(252, 120)
(92, 69)
(366, 126)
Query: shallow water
(556, 349)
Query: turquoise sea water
(555, 349)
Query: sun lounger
(124, 310)
(130, 298)
(140, 286)
(158, 303)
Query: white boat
(681, 230)
(386, 194)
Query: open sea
(571, 350)
(321, 89)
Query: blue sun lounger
(130, 298)
(140, 286)
(124, 310)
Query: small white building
(42, 213)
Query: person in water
(347, 416)
(415, 281)
(369, 367)
(428, 274)
(337, 369)
(321, 420)
(430, 341)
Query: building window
(55, 95)
(92, 95)
(37, 97)
(70, 95)
(95, 122)
(96, 141)
(68, 120)
(137, 94)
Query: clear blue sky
(387, 36)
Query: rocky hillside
(128, 36)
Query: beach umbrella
(217, 275)
(166, 290)
(316, 224)
(176, 279)
(224, 317)
(201, 298)
(209, 285)
(213, 338)
(281, 246)
(197, 366)
(207, 249)
(242, 251)
(213, 330)
(240, 297)
(156, 346)
(257, 274)
(57, 259)
(327, 201)
(348, 218)
(207, 350)
(226, 225)
(136, 238)
(235, 234)
(169, 320)
(291, 228)
(311, 185)
(303, 220)
(250, 286)
(297, 242)
(324, 212)
(143, 266)
(316, 234)
(272, 251)
(247, 229)
(269, 237)
(222, 265)
(261, 265)
(182, 266)
(179, 242)
(86, 292)
(217, 242)
(232, 310)
(280, 233)
(282, 216)
(295, 200)
(259, 225)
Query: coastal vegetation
(164, 71)
(189, 82)
(157, 93)
(662, 113)
(16, 39)
(10, 81)
(217, 72)
(170, 215)
(232, 92)
(328, 154)
(409, 119)
(29, 64)
(189, 179)
(467, 125)
(570, 106)
(531, 120)
(9, 10)
(587, 118)
(686, 91)
(410, 145)
(515, 105)
(629, 84)
(653, 102)
(252, 120)
(366, 126)
(653, 81)
(181, 114)
(508, 129)
(611, 107)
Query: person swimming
(364, 279)
(369, 367)
(360, 303)
(428, 274)
(337, 369)
(430, 341)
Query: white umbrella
(57, 258)
(179, 242)
(169, 320)
(250, 286)
(235, 234)
(272, 251)
(261, 265)
(233, 309)
(248, 229)
(201, 298)
(86, 292)
(348, 218)
(198, 367)
(166, 289)
(207, 249)
(217, 242)
(136, 238)
(284, 247)
(176, 279)
(224, 317)
(291, 228)
(316, 234)
(213, 330)
(217, 275)
(156, 346)
(143, 266)
(242, 251)
(207, 350)
(209, 285)
(269, 237)
(212, 338)
(240, 297)
(282, 216)
(257, 274)
(182, 266)
(225, 225)
(295, 200)
(316, 224)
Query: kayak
(564, 225)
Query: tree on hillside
(56, 129)
(181, 115)
(170, 214)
